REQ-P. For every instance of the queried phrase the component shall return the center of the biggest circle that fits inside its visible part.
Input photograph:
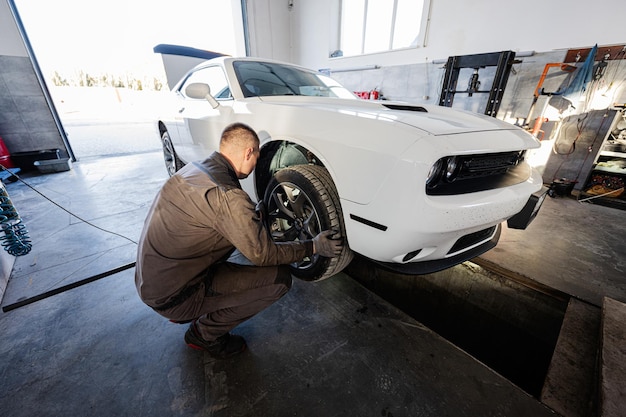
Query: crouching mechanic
(198, 219)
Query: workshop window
(369, 26)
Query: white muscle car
(414, 188)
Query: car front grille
(475, 166)
(482, 172)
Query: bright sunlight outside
(98, 62)
(118, 36)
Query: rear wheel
(172, 162)
(302, 201)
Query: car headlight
(434, 172)
(452, 165)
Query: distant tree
(127, 80)
(90, 81)
(81, 79)
(58, 80)
(157, 84)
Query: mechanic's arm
(322, 243)
(242, 226)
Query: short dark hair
(239, 134)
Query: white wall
(306, 33)
(270, 29)
(11, 44)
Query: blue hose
(15, 239)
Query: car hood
(432, 119)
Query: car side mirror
(201, 91)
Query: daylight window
(369, 26)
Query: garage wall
(307, 32)
(539, 32)
(270, 29)
(26, 119)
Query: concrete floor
(577, 248)
(326, 349)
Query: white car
(414, 188)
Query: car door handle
(181, 110)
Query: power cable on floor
(67, 287)
(63, 208)
(76, 284)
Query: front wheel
(301, 202)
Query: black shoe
(223, 347)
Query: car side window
(214, 77)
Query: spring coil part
(15, 239)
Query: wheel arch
(173, 162)
(279, 154)
(161, 127)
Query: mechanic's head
(240, 145)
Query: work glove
(324, 245)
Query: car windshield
(269, 79)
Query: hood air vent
(406, 107)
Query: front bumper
(435, 265)
(522, 219)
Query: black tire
(172, 162)
(302, 201)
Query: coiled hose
(15, 239)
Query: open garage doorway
(97, 61)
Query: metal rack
(605, 183)
(503, 61)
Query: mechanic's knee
(284, 276)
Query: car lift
(502, 60)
